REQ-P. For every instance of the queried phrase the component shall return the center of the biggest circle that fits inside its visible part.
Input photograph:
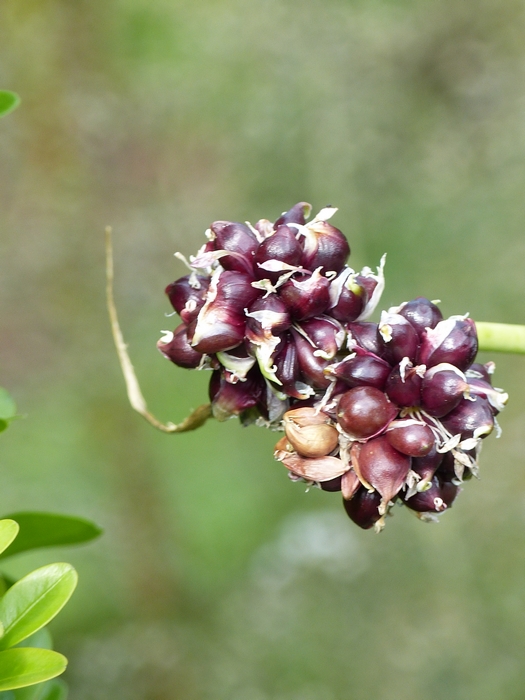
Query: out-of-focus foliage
(25, 608)
(49, 530)
(218, 578)
(8, 102)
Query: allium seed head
(384, 412)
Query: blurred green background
(217, 578)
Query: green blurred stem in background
(501, 337)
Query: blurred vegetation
(217, 578)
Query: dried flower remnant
(388, 412)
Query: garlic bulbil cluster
(385, 412)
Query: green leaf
(50, 530)
(8, 531)
(26, 666)
(35, 600)
(8, 102)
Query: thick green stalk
(501, 337)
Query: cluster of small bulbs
(384, 412)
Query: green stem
(501, 337)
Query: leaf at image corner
(8, 102)
(35, 600)
(26, 666)
(49, 530)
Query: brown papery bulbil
(309, 432)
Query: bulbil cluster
(384, 412)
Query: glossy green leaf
(8, 101)
(26, 666)
(34, 600)
(8, 531)
(49, 530)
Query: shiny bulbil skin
(388, 412)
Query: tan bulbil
(309, 432)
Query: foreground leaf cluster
(28, 664)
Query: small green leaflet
(49, 530)
(26, 666)
(8, 102)
(35, 600)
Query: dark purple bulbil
(365, 369)
(270, 313)
(363, 507)
(443, 387)
(307, 296)
(426, 466)
(348, 298)
(385, 412)
(471, 418)
(366, 335)
(298, 214)
(436, 499)
(453, 340)
(325, 247)
(312, 365)
(187, 295)
(421, 313)
(403, 385)
(325, 333)
(282, 246)
(397, 339)
(178, 349)
(233, 399)
(287, 369)
(239, 239)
